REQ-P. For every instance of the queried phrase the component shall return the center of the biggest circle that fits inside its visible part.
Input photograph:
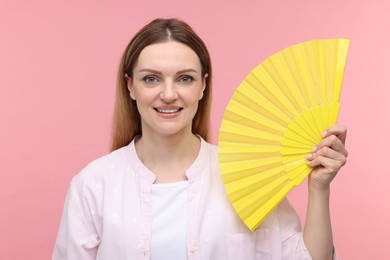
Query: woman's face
(167, 85)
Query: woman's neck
(168, 157)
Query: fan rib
(280, 77)
(248, 156)
(234, 117)
(268, 87)
(266, 119)
(322, 64)
(232, 175)
(254, 220)
(268, 109)
(234, 129)
(277, 88)
(253, 201)
(303, 70)
(342, 52)
(245, 139)
(249, 184)
(299, 75)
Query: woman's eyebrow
(160, 73)
(187, 70)
(150, 71)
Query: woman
(159, 194)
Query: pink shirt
(108, 215)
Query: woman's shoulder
(105, 165)
(210, 148)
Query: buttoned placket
(192, 226)
(193, 196)
(146, 181)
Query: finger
(328, 153)
(332, 142)
(329, 164)
(338, 130)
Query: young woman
(159, 194)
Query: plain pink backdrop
(58, 62)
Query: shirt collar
(192, 171)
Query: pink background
(58, 63)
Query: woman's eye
(186, 79)
(150, 79)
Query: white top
(169, 208)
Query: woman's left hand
(327, 157)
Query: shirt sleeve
(77, 236)
(293, 245)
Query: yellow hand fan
(275, 117)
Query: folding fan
(273, 120)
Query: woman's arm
(77, 237)
(327, 159)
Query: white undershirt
(169, 207)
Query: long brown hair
(127, 120)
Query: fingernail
(314, 149)
(324, 134)
(309, 156)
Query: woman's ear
(129, 82)
(203, 85)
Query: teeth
(168, 111)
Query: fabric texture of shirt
(108, 215)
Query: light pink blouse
(108, 215)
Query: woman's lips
(168, 111)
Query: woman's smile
(168, 111)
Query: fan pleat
(299, 126)
(294, 143)
(233, 157)
(257, 198)
(261, 78)
(245, 166)
(291, 159)
(267, 204)
(276, 69)
(248, 169)
(284, 65)
(297, 79)
(247, 139)
(245, 119)
(243, 185)
(274, 119)
(261, 105)
(316, 114)
(240, 109)
(322, 66)
(342, 51)
(297, 136)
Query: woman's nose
(168, 92)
